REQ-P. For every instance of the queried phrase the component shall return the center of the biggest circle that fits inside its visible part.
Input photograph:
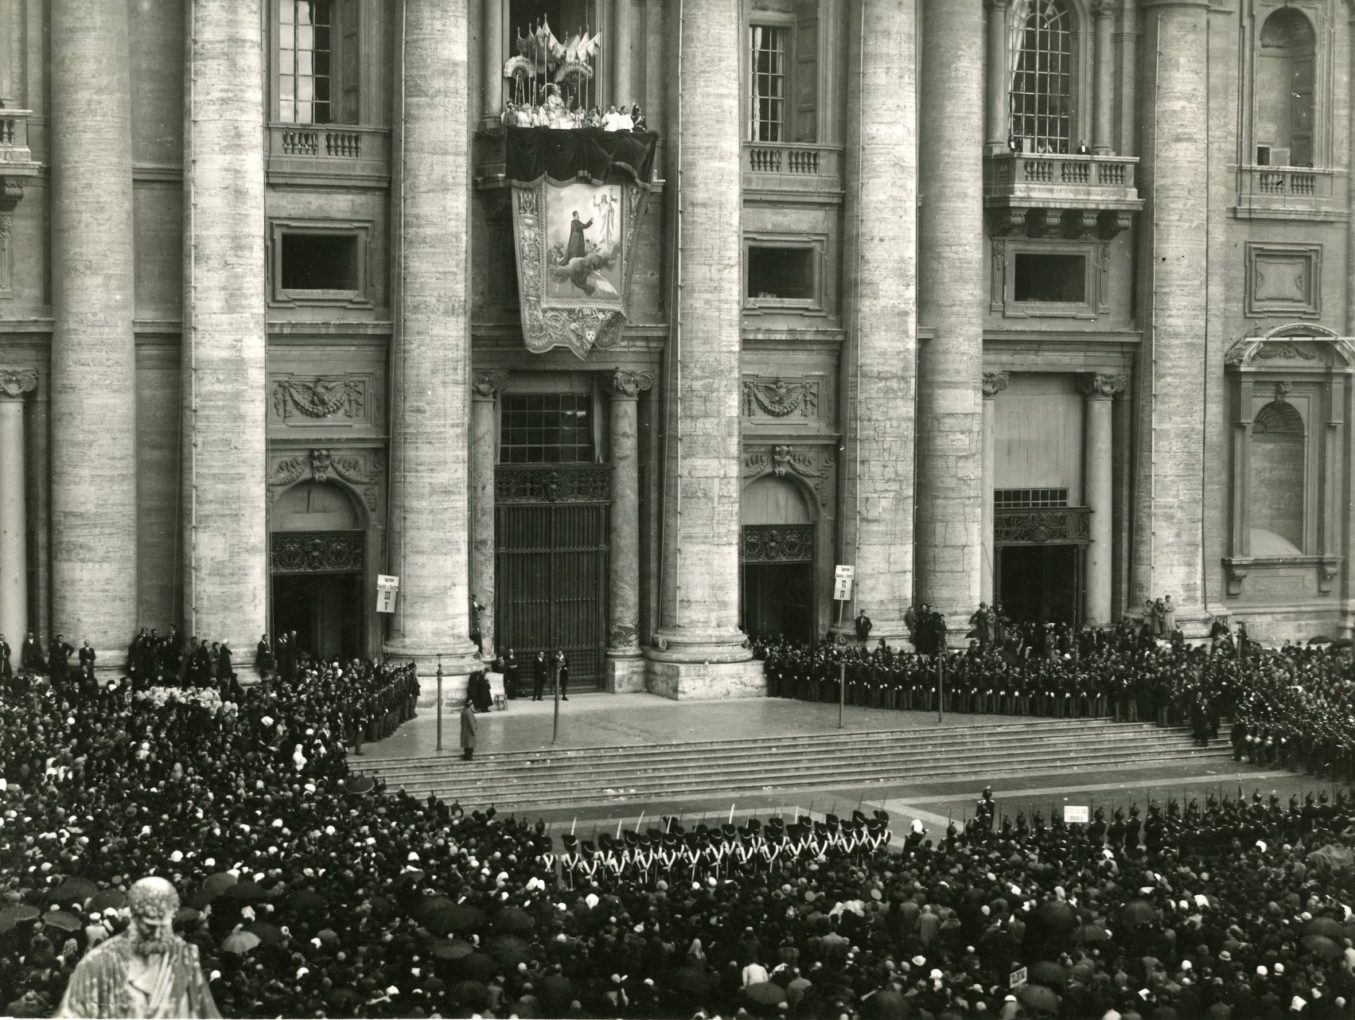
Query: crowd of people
(310, 890)
(554, 112)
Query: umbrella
(269, 934)
(327, 935)
(73, 890)
(687, 982)
(470, 995)
(248, 891)
(108, 899)
(477, 966)
(63, 921)
(305, 901)
(1327, 926)
(429, 905)
(513, 920)
(509, 950)
(451, 949)
(885, 1005)
(1057, 915)
(1090, 933)
(557, 992)
(360, 784)
(457, 917)
(1038, 997)
(1046, 972)
(1322, 947)
(186, 915)
(214, 885)
(17, 914)
(1138, 912)
(766, 993)
(240, 942)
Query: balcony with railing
(1087, 194)
(793, 167)
(1290, 193)
(16, 158)
(345, 152)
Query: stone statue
(147, 971)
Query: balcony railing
(792, 166)
(16, 159)
(328, 150)
(1075, 179)
(1287, 192)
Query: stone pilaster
(1097, 462)
(484, 459)
(14, 384)
(996, 93)
(700, 594)
(430, 390)
(225, 555)
(1103, 116)
(993, 384)
(1169, 483)
(492, 57)
(877, 501)
(623, 68)
(625, 669)
(93, 359)
(950, 412)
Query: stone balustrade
(1286, 192)
(792, 166)
(328, 150)
(1090, 194)
(15, 156)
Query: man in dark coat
(511, 677)
(6, 669)
(87, 658)
(30, 655)
(263, 657)
(57, 659)
(540, 674)
(863, 626)
(469, 724)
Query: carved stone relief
(781, 398)
(811, 464)
(364, 470)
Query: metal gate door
(551, 565)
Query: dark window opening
(1053, 278)
(546, 428)
(319, 262)
(781, 274)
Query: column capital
(1103, 386)
(624, 384)
(487, 385)
(15, 382)
(1106, 8)
(994, 383)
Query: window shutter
(350, 57)
(806, 83)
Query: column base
(625, 672)
(691, 645)
(456, 671)
(704, 680)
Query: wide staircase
(544, 778)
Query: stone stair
(549, 778)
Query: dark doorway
(325, 610)
(1040, 582)
(777, 600)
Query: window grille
(768, 106)
(546, 428)
(1029, 499)
(1042, 78)
(304, 52)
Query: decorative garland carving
(15, 382)
(362, 473)
(780, 399)
(777, 543)
(812, 464)
(317, 552)
(535, 483)
(1053, 526)
(324, 398)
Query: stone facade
(874, 325)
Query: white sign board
(390, 581)
(842, 589)
(844, 571)
(386, 587)
(1018, 978)
(1076, 813)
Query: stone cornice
(15, 382)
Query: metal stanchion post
(439, 704)
(555, 683)
(941, 683)
(841, 691)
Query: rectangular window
(319, 262)
(767, 106)
(546, 428)
(1053, 279)
(781, 274)
(304, 61)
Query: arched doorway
(318, 555)
(777, 560)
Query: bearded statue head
(153, 902)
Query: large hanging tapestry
(578, 198)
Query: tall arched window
(1043, 71)
(1284, 90)
(1277, 482)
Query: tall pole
(439, 713)
(555, 683)
(940, 683)
(841, 691)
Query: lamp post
(555, 687)
(439, 713)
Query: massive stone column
(881, 232)
(14, 383)
(996, 105)
(484, 461)
(430, 391)
(1098, 461)
(993, 384)
(698, 632)
(1169, 484)
(950, 412)
(625, 669)
(623, 67)
(93, 367)
(492, 57)
(225, 554)
(1103, 117)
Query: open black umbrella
(766, 993)
(248, 891)
(556, 992)
(457, 917)
(509, 950)
(73, 890)
(687, 981)
(429, 905)
(1322, 947)
(1090, 933)
(108, 899)
(1138, 912)
(305, 901)
(1047, 972)
(1057, 915)
(476, 966)
(214, 885)
(451, 949)
(269, 934)
(472, 995)
(16, 915)
(1327, 926)
(514, 921)
(62, 920)
(1039, 998)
